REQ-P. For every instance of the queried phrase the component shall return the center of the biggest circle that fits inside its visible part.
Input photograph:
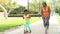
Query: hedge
(21, 15)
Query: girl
(26, 16)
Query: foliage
(7, 4)
(14, 22)
(20, 15)
(19, 10)
(58, 10)
(34, 6)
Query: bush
(13, 12)
(19, 10)
(58, 10)
(21, 15)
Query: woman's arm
(41, 12)
(49, 10)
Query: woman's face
(44, 4)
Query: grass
(58, 17)
(13, 22)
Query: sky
(25, 3)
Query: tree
(34, 6)
(7, 4)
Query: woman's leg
(44, 22)
(48, 22)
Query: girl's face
(26, 12)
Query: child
(27, 22)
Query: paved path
(37, 28)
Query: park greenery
(11, 9)
(14, 22)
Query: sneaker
(30, 31)
(25, 31)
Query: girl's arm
(28, 16)
(23, 17)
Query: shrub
(21, 15)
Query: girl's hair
(26, 10)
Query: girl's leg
(25, 29)
(28, 26)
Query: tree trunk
(5, 11)
(10, 11)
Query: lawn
(58, 17)
(13, 22)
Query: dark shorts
(46, 21)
